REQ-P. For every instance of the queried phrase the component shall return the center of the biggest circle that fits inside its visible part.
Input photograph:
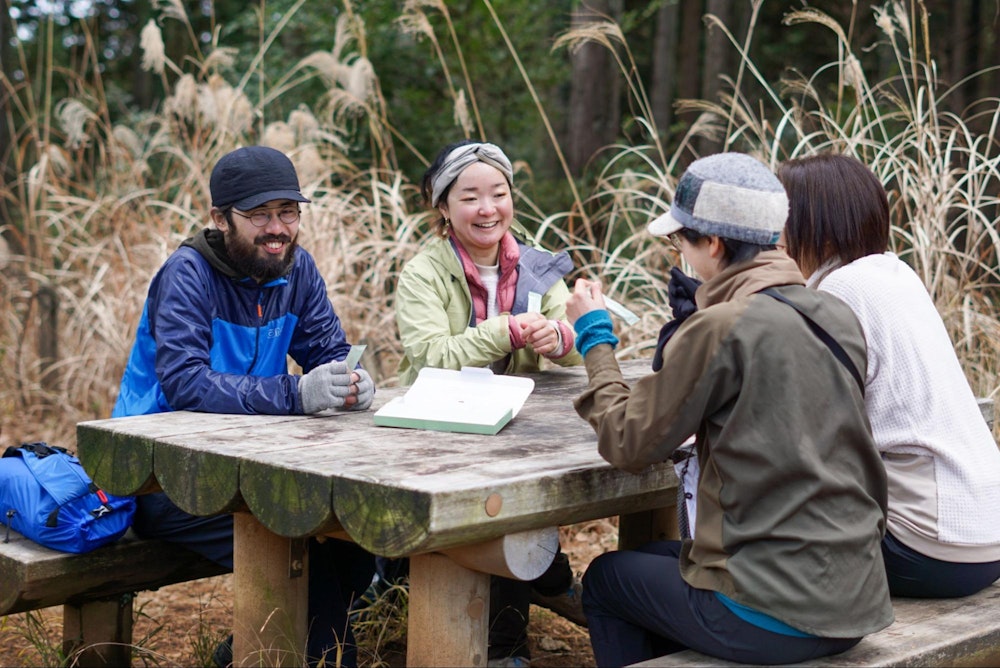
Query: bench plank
(95, 588)
(927, 632)
(36, 577)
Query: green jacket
(792, 494)
(433, 311)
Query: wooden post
(48, 338)
(636, 529)
(270, 605)
(448, 614)
(98, 633)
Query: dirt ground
(181, 624)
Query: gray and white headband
(462, 157)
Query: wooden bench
(927, 632)
(95, 588)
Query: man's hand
(586, 297)
(331, 385)
(365, 391)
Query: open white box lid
(472, 400)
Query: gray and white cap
(731, 195)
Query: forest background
(113, 112)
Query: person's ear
(220, 220)
(716, 249)
(443, 210)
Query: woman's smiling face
(481, 209)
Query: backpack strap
(824, 336)
(42, 449)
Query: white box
(472, 401)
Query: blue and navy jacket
(211, 340)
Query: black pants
(918, 576)
(339, 571)
(638, 607)
(509, 602)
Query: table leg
(448, 613)
(270, 604)
(637, 529)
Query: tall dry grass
(941, 174)
(99, 205)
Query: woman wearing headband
(478, 295)
(465, 300)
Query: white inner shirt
(490, 276)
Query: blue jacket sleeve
(318, 337)
(184, 301)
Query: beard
(248, 261)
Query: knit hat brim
(665, 225)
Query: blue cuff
(594, 328)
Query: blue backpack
(46, 496)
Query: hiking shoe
(222, 657)
(509, 662)
(567, 604)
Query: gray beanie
(729, 195)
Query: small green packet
(354, 356)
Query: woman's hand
(586, 297)
(538, 332)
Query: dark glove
(680, 294)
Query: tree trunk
(717, 52)
(689, 62)
(7, 68)
(595, 89)
(664, 76)
(985, 21)
(956, 50)
(717, 49)
(689, 53)
(48, 341)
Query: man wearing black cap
(221, 317)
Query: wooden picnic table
(459, 505)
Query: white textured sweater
(942, 462)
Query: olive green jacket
(792, 493)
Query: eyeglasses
(261, 217)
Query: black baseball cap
(253, 175)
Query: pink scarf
(506, 287)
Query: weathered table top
(394, 491)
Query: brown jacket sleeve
(644, 424)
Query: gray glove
(326, 386)
(366, 390)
